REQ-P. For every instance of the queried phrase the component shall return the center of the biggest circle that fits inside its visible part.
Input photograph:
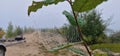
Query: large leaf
(71, 19)
(61, 47)
(85, 5)
(64, 46)
(78, 51)
(38, 5)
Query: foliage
(68, 46)
(71, 19)
(103, 39)
(9, 33)
(78, 51)
(38, 5)
(70, 33)
(85, 5)
(100, 54)
(112, 47)
(18, 31)
(53, 30)
(1, 32)
(62, 47)
(28, 30)
(78, 5)
(12, 32)
(115, 37)
(94, 26)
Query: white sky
(51, 16)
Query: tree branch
(78, 27)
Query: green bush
(1, 32)
(70, 33)
(112, 47)
(98, 54)
(115, 37)
(92, 27)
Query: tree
(1, 32)
(18, 31)
(94, 26)
(77, 6)
(9, 33)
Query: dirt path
(30, 48)
(33, 47)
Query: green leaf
(71, 19)
(86, 5)
(49, 1)
(78, 51)
(62, 47)
(81, 21)
(38, 5)
(34, 7)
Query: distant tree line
(115, 37)
(12, 32)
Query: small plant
(77, 6)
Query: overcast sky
(15, 11)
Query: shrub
(1, 32)
(112, 47)
(99, 54)
(115, 37)
(70, 33)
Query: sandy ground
(29, 48)
(32, 47)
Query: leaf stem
(79, 28)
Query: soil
(33, 47)
(28, 48)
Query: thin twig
(78, 27)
